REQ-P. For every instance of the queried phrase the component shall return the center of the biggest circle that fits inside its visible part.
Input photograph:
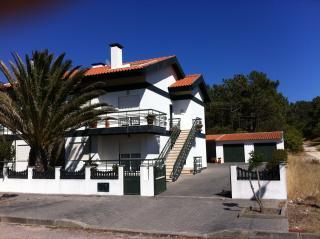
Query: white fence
(270, 189)
(86, 186)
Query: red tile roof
(275, 135)
(134, 65)
(213, 137)
(187, 81)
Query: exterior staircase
(174, 153)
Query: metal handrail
(181, 159)
(171, 141)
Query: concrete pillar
(120, 178)
(283, 180)
(233, 183)
(57, 173)
(30, 173)
(87, 173)
(146, 180)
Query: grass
(303, 181)
(303, 178)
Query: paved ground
(211, 182)
(193, 205)
(16, 231)
(156, 214)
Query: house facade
(159, 113)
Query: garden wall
(271, 189)
(86, 186)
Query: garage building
(231, 148)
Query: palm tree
(46, 99)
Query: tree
(293, 139)
(6, 152)
(47, 99)
(246, 103)
(255, 162)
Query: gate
(160, 184)
(131, 176)
(131, 182)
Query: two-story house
(159, 113)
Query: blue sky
(215, 38)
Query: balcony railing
(122, 119)
(133, 118)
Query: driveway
(211, 182)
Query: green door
(233, 153)
(265, 149)
(131, 182)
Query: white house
(154, 99)
(230, 148)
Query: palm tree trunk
(40, 159)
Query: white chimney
(116, 56)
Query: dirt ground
(303, 178)
(304, 216)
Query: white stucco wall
(248, 147)
(21, 155)
(272, 189)
(162, 78)
(146, 181)
(198, 150)
(85, 186)
(187, 110)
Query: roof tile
(187, 81)
(134, 65)
(275, 135)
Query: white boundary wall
(272, 189)
(85, 186)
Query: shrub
(115, 168)
(255, 160)
(293, 140)
(316, 130)
(6, 153)
(279, 156)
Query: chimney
(116, 56)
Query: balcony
(128, 122)
(120, 122)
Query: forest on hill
(252, 103)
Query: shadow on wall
(75, 153)
(262, 191)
